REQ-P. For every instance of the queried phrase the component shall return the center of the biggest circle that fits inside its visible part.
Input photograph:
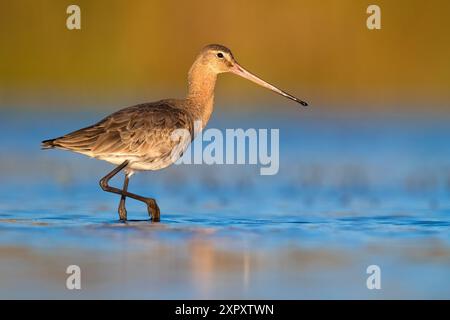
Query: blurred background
(137, 51)
(364, 172)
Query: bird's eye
(220, 55)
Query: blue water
(352, 191)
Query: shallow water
(351, 192)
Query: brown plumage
(140, 134)
(141, 137)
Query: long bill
(237, 69)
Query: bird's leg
(122, 209)
(104, 185)
(152, 207)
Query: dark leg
(152, 207)
(122, 209)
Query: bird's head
(219, 59)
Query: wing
(143, 130)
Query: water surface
(351, 192)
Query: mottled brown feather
(141, 131)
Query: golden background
(134, 51)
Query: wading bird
(139, 137)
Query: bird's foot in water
(153, 210)
(122, 212)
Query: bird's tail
(48, 144)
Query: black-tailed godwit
(140, 137)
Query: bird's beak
(237, 69)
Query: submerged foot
(122, 212)
(153, 210)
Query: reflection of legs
(122, 209)
(152, 207)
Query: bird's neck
(201, 83)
